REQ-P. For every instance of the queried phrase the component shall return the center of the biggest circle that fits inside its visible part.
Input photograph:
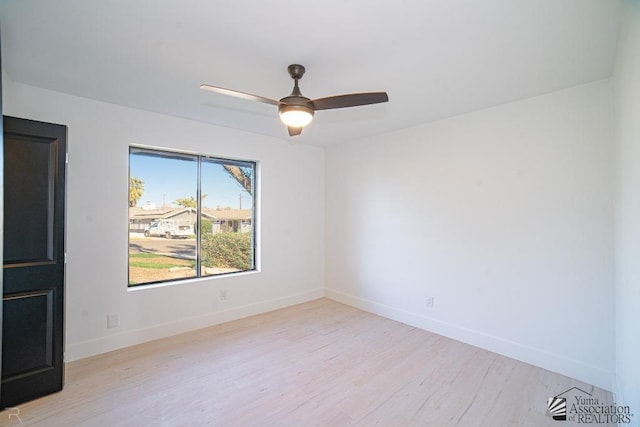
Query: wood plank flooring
(321, 363)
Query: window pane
(162, 216)
(227, 217)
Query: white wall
(291, 222)
(627, 243)
(504, 215)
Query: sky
(168, 179)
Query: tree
(206, 225)
(187, 202)
(136, 189)
(242, 175)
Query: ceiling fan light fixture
(296, 116)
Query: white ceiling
(435, 58)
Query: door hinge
(66, 159)
(65, 257)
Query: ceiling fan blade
(294, 131)
(238, 94)
(350, 100)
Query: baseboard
(108, 343)
(534, 356)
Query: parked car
(169, 228)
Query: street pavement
(180, 248)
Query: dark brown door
(1, 203)
(34, 257)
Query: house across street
(222, 220)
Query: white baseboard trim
(108, 343)
(553, 362)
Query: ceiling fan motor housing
(296, 103)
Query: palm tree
(136, 189)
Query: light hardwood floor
(315, 364)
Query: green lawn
(146, 260)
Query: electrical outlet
(113, 321)
(223, 294)
(429, 302)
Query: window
(189, 216)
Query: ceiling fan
(296, 110)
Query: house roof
(227, 214)
(167, 213)
(435, 58)
(160, 213)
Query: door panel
(33, 294)
(33, 210)
(36, 309)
